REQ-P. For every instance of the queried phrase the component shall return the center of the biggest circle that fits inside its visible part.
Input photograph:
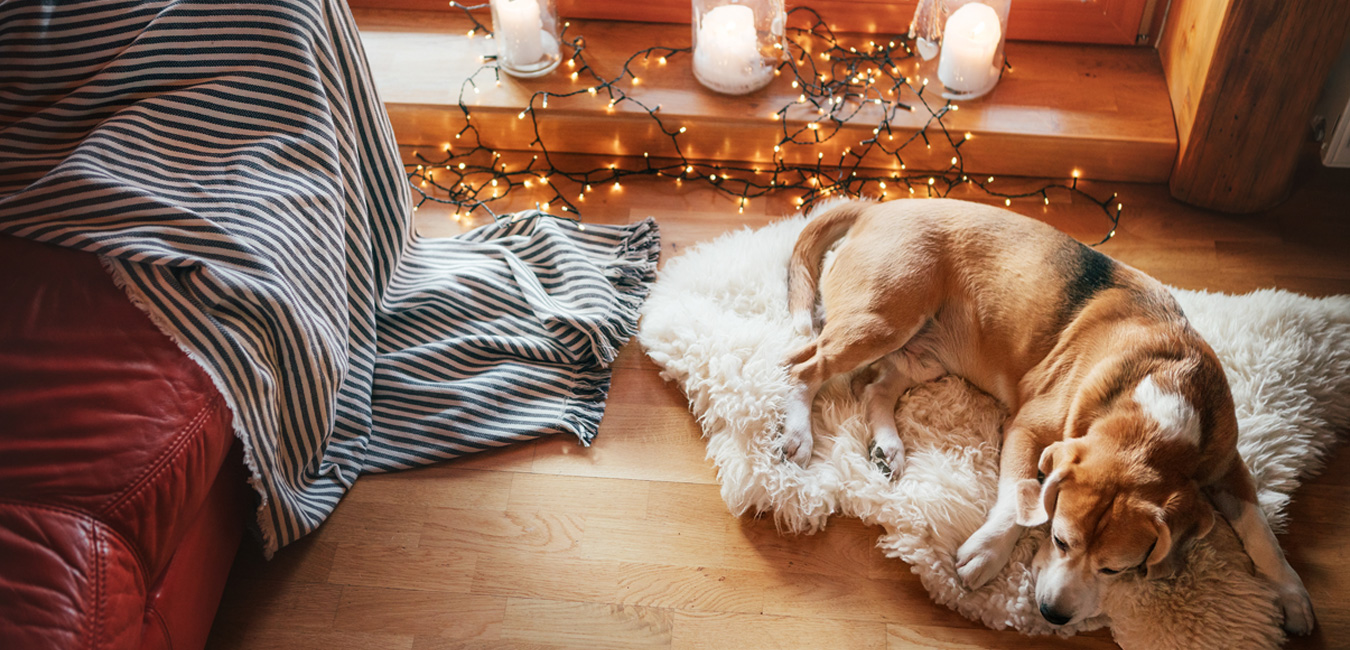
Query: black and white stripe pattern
(234, 167)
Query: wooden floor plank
(554, 533)
(622, 583)
(420, 613)
(426, 568)
(720, 630)
(585, 496)
(924, 637)
(586, 625)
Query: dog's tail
(804, 268)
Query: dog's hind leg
(1235, 497)
(845, 344)
(897, 373)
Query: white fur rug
(717, 323)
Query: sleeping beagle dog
(1122, 432)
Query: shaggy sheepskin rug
(717, 324)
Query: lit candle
(521, 31)
(969, 44)
(727, 56)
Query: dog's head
(1111, 514)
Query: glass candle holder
(971, 62)
(527, 36)
(737, 43)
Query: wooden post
(1244, 76)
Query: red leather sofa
(123, 495)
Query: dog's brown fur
(1114, 398)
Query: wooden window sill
(1102, 110)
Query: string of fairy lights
(836, 84)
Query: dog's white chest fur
(1176, 418)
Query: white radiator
(1333, 113)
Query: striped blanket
(234, 167)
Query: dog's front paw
(980, 559)
(797, 444)
(888, 454)
(1298, 610)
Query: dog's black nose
(1053, 616)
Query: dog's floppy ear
(1186, 516)
(1036, 500)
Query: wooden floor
(627, 544)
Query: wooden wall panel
(1186, 49)
(1244, 78)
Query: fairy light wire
(840, 89)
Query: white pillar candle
(727, 56)
(521, 31)
(969, 43)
